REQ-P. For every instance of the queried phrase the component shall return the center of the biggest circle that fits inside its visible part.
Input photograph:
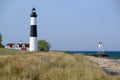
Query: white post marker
(100, 46)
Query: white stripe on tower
(33, 31)
(33, 21)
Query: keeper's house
(17, 46)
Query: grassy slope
(4, 51)
(49, 66)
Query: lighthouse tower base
(33, 44)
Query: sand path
(109, 65)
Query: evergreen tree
(43, 45)
(1, 41)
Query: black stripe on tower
(33, 31)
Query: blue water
(111, 54)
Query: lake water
(112, 54)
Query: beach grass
(5, 51)
(51, 65)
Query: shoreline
(110, 66)
(111, 54)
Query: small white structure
(101, 47)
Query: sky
(65, 24)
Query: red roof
(10, 44)
(100, 42)
(20, 44)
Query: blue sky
(65, 24)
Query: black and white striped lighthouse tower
(33, 31)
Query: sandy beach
(108, 65)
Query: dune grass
(5, 51)
(50, 66)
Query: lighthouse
(33, 31)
